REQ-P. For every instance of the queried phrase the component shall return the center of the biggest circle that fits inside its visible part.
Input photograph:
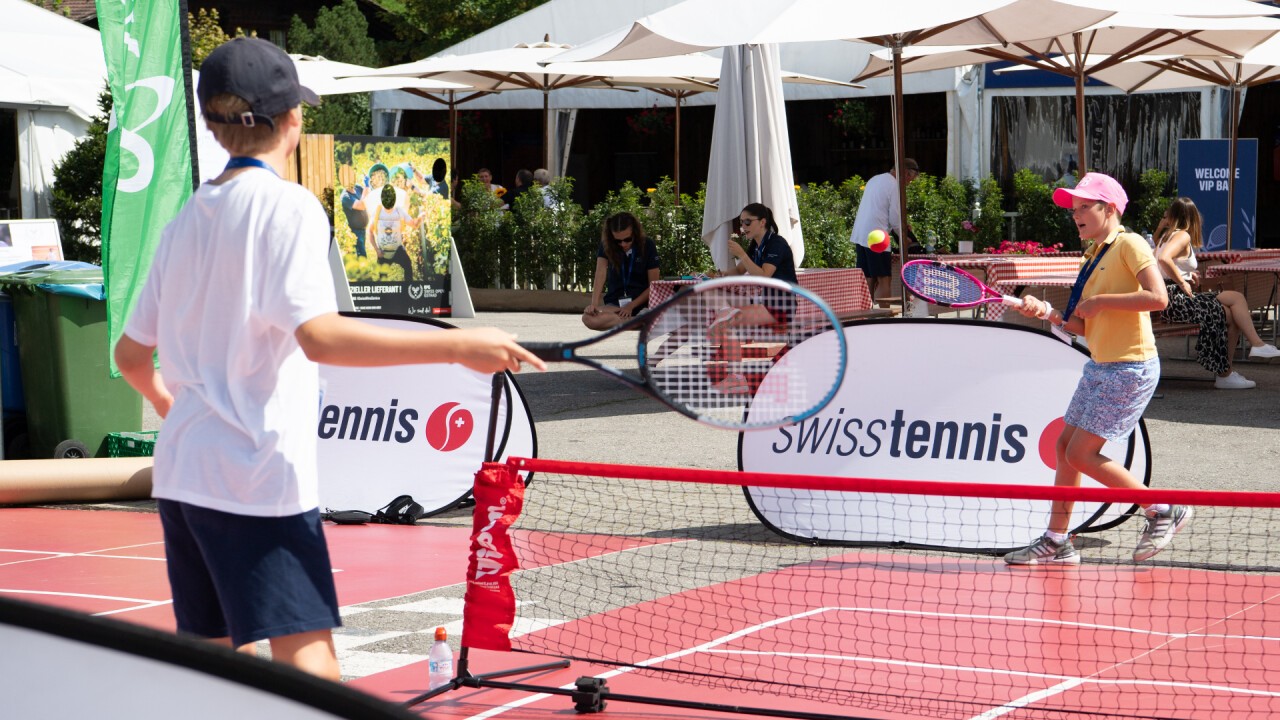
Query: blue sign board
(1202, 176)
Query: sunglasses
(747, 221)
(625, 240)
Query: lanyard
(1078, 289)
(243, 162)
(759, 255)
(630, 260)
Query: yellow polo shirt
(1119, 335)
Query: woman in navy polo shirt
(625, 265)
(769, 254)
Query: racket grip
(1011, 301)
(551, 351)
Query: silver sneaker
(1043, 551)
(1160, 530)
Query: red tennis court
(912, 634)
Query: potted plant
(853, 117)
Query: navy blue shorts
(874, 264)
(247, 578)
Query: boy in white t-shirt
(240, 305)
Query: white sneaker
(1264, 351)
(1234, 381)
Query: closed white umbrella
(750, 151)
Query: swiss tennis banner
(417, 430)
(146, 177)
(943, 400)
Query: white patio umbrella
(1259, 65)
(750, 151)
(535, 67)
(330, 77)
(704, 24)
(1118, 39)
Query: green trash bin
(72, 400)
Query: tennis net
(670, 572)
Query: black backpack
(401, 511)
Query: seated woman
(1222, 316)
(769, 254)
(626, 263)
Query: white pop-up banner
(416, 430)
(942, 400)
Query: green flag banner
(147, 174)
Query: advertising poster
(391, 223)
(1202, 176)
(22, 240)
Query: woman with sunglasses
(769, 255)
(625, 265)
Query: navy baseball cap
(256, 71)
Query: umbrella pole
(546, 130)
(1231, 156)
(453, 141)
(899, 157)
(1081, 157)
(675, 173)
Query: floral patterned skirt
(1204, 310)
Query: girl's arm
(597, 287)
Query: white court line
(82, 595)
(54, 555)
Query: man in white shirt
(879, 211)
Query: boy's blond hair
(239, 139)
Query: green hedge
(539, 247)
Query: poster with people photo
(391, 222)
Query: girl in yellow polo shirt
(1118, 287)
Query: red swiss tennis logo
(449, 427)
(1049, 442)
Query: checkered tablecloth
(1231, 257)
(844, 289)
(1010, 273)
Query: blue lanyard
(630, 260)
(243, 162)
(759, 254)
(1078, 289)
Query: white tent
(51, 72)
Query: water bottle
(440, 661)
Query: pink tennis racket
(948, 286)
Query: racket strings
(941, 284)
(724, 356)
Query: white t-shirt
(389, 229)
(878, 209)
(236, 272)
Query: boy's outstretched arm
(336, 340)
(134, 360)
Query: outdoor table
(1012, 273)
(843, 289)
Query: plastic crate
(131, 444)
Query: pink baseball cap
(1093, 186)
